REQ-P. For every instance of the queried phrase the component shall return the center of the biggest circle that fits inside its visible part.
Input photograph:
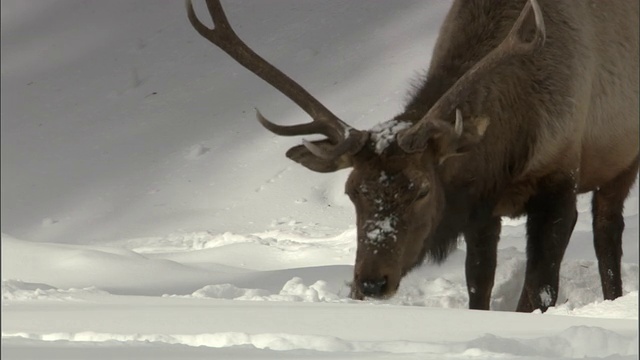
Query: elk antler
(410, 140)
(324, 121)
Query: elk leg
(608, 224)
(551, 216)
(480, 267)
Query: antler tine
(223, 36)
(292, 130)
(510, 46)
(352, 143)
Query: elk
(526, 103)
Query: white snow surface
(146, 213)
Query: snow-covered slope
(145, 212)
(120, 121)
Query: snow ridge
(16, 290)
(575, 342)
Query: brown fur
(571, 108)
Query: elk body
(525, 105)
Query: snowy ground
(145, 213)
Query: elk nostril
(373, 287)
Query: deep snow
(145, 213)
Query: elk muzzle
(374, 280)
(373, 287)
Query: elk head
(395, 184)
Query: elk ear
(303, 156)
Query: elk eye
(423, 192)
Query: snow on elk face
(397, 198)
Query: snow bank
(575, 342)
(293, 290)
(625, 307)
(16, 290)
(283, 266)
